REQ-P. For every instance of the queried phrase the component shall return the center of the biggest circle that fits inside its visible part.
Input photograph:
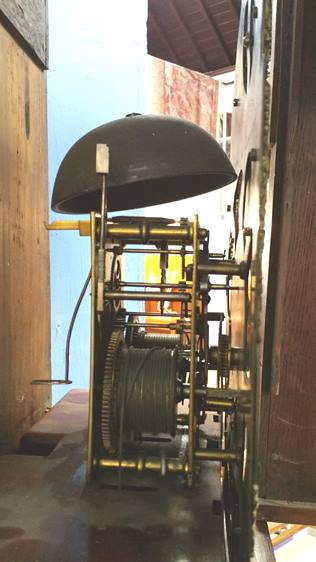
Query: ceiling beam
(163, 37)
(220, 70)
(234, 7)
(217, 33)
(188, 34)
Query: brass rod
(144, 313)
(141, 232)
(153, 251)
(147, 233)
(222, 287)
(180, 286)
(215, 393)
(217, 455)
(82, 226)
(227, 393)
(104, 210)
(147, 296)
(182, 419)
(155, 464)
(178, 233)
(92, 341)
(186, 390)
(216, 256)
(170, 326)
(62, 225)
(215, 404)
(192, 417)
(223, 267)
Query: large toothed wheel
(109, 414)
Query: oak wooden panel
(287, 512)
(289, 412)
(263, 546)
(24, 280)
(28, 20)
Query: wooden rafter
(163, 37)
(216, 31)
(188, 34)
(235, 8)
(172, 23)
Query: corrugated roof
(197, 34)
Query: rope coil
(147, 339)
(139, 391)
(150, 381)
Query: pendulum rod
(192, 417)
(91, 420)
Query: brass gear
(115, 280)
(110, 381)
(223, 356)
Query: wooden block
(68, 416)
(24, 280)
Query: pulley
(139, 391)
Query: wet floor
(49, 514)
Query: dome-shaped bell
(153, 160)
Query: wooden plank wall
(24, 279)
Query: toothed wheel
(116, 280)
(110, 381)
(223, 356)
